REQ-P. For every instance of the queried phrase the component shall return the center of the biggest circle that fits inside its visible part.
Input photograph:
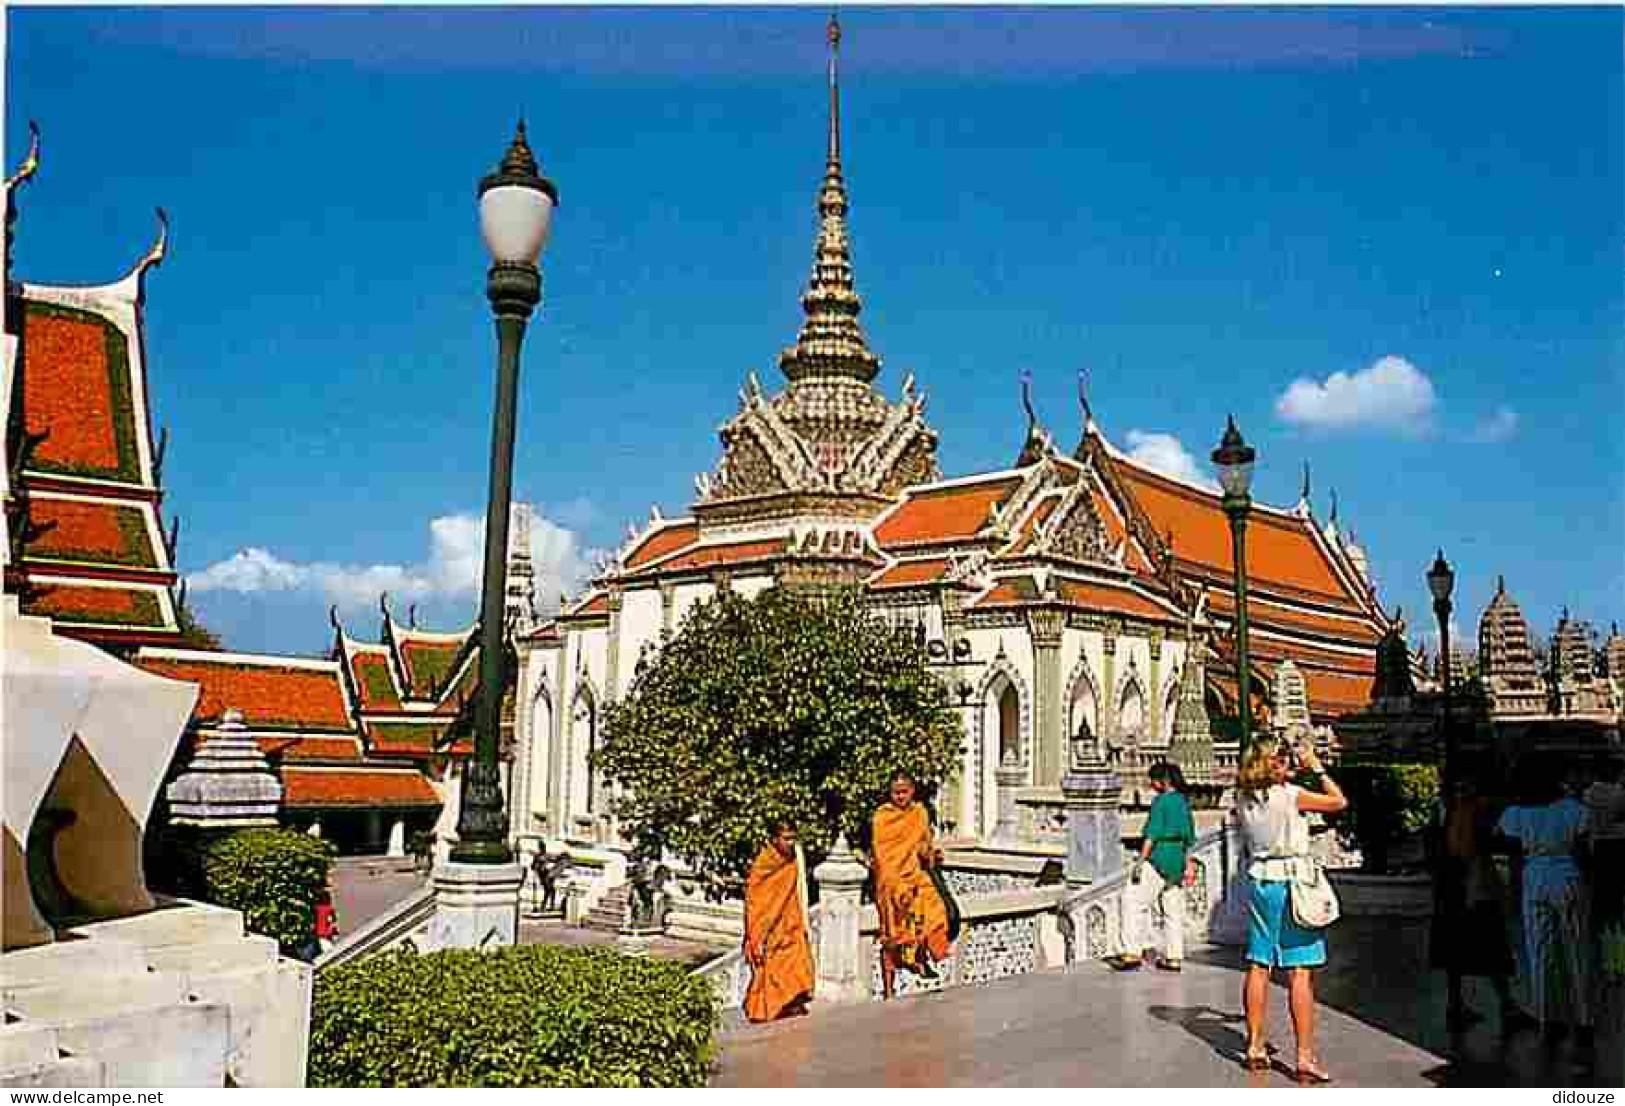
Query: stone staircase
(610, 913)
(177, 997)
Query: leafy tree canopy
(788, 705)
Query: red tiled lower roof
(943, 514)
(270, 696)
(1030, 526)
(1010, 592)
(78, 394)
(662, 542)
(1353, 632)
(911, 573)
(374, 683)
(355, 787)
(310, 748)
(124, 607)
(711, 556)
(99, 533)
(1273, 649)
(1103, 597)
(1278, 549)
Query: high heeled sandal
(1310, 1077)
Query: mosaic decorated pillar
(1094, 831)
(1045, 627)
(843, 963)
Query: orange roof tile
(1103, 597)
(374, 683)
(270, 696)
(308, 787)
(662, 542)
(943, 514)
(1268, 614)
(427, 664)
(123, 607)
(1030, 526)
(1332, 693)
(310, 748)
(76, 388)
(1269, 648)
(911, 573)
(1279, 550)
(1010, 592)
(710, 556)
(101, 533)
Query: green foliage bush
(527, 1016)
(785, 705)
(274, 876)
(1388, 803)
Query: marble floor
(1381, 1024)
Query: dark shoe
(1255, 1063)
(927, 969)
(1168, 965)
(1124, 963)
(1312, 1077)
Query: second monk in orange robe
(913, 917)
(776, 944)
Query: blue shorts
(1274, 939)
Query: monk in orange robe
(913, 917)
(776, 944)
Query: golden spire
(831, 343)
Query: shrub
(1388, 803)
(274, 876)
(783, 705)
(528, 1016)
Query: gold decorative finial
(30, 163)
(1027, 398)
(834, 30)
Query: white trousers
(1151, 895)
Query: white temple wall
(640, 628)
(1007, 661)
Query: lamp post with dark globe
(1441, 582)
(516, 212)
(1234, 460)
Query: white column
(315, 829)
(397, 838)
(842, 966)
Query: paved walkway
(1089, 1026)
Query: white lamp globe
(516, 206)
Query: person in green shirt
(1160, 874)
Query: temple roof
(953, 511)
(356, 787)
(274, 693)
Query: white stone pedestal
(842, 967)
(476, 905)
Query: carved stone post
(1094, 831)
(668, 605)
(1045, 627)
(612, 665)
(843, 974)
(1108, 687)
(1154, 707)
(1010, 776)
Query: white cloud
(1390, 394)
(1499, 427)
(452, 569)
(1163, 453)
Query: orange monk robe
(911, 912)
(774, 919)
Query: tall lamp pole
(1441, 582)
(516, 212)
(1234, 460)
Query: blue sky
(1391, 241)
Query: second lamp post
(1234, 459)
(516, 212)
(1441, 582)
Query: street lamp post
(1441, 582)
(1234, 459)
(516, 210)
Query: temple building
(84, 491)
(1062, 598)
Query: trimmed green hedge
(274, 876)
(1388, 803)
(527, 1016)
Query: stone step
(85, 997)
(610, 913)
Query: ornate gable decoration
(1075, 531)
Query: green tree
(195, 635)
(788, 705)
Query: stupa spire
(831, 343)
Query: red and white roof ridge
(209, 656)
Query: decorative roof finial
(831, 343)
(1027, 398)
(30, 163)
(333, 617)
(1334, 507)
(1083, 400)
(1500, 584)
(1304, 494)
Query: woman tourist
(1552, 832)
(1271, 812)
(913, 918)
(1169, 835)
(1468, 934)
(776, 943)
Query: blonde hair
(1257, 772)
